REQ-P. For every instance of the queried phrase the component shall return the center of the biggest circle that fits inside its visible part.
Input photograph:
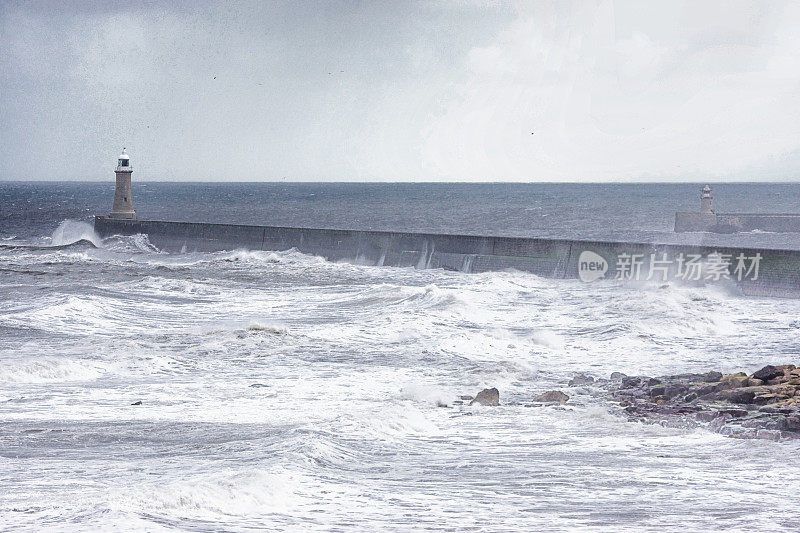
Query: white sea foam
(130, 243)
(212, 496)
(547, 338)
(49, 370)
(281, 390)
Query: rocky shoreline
(763, 405)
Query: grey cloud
(398, 90)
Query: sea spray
(72, 231)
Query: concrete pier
(709, 220)
(754, 272)
(736, 222)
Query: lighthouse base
(123, 215)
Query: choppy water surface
(283, 391)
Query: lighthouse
(705, 200)
(123, 201)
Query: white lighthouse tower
(123, 201)
(705, 201)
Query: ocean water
(280, 391)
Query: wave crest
(130, 243)
(72, 231)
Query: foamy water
(279, 390)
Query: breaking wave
(72, 231)
(130, 244)
(49, 369)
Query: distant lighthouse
(705, 200)
(123, 201)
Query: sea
(244, 390)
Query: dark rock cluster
(491, 398)
(765, 404)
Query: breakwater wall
(733, 223)
(753, 272)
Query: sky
(401, 91)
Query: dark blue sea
(641, 212)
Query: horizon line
(437, 182)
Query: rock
(672, 391)
(465, 397)
(440, 403)
(775, 423)
(689, 378)
(712, 377)
(552, 396)
(708, 389)
(258, 385)
(769, 434)
(616, 376)
(792, 423)
(137, 403)
(766, 399)
(581, 379)
(735, 405)
(629, 383)
(737, 396)
(736, 413)
(768, 394)
(768, 372)
(790, 402)
(733, 381)
(719, 421)
(708, 416)
(489, 397)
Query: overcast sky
(395, 91)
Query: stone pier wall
(777, 273)
(732, 223)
